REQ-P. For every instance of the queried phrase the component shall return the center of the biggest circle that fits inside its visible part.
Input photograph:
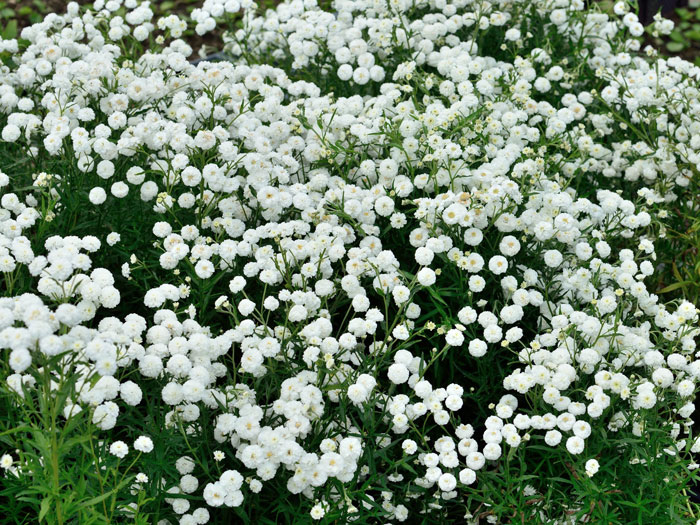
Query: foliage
(406, 261)
(685, 37)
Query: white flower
(214, 494)
(592, 467)
(475, 262)
(97, 196)
(191, 176)
(424, 256)
(493, 333)
(345, 72)
(113, 238)
(473, 236)
(646, 399)
(119, 190)
(143, 444)
(184, 465)
(6, 461)
(606, 304)
(467, 476)
(401, 294)
(105, 169)
(447, 482)
(477, 348)
(119, 449)
(357, 393)
(409, 446)
(384, 206)
(317, 512)
(492, 451)
(575, 445)
(509, 246)
(476, 283)
(10, 133)
(553, 258)
(498, 264)
(454, 338)
(467, 315)
(297, 313)
(20, 359)
(246, 307)
(398, 373)
(426, 277)
(553, 438)
(204, 269)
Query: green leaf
(693, 34)
(10, 30)
(676, 36)
(98, 499)
(408, 467)
(684, 14)
(436, 296)
(674, 286)
(676, 273)
(675, 47)
(45, 507)
(69, 444)
(15, 430)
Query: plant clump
(388, 261)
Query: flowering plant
(387, 262)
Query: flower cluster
(382, 258)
